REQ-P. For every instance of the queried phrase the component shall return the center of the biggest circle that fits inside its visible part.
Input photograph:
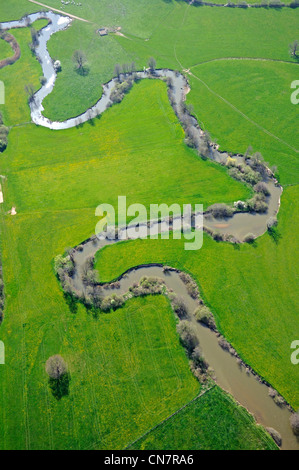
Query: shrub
(272, 392)
(257, 203)
(261, 187)
(187, 336)
(91, 277)
(199, 360)
(179, 307)
(275, 436)
(249, 238)
(112, 303)
(64, 264)
(294, 420)
(119, 91)
(220, 211)
(224, 344)
(204, 315)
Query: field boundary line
(244, 115)
(171, 416)
(60, 11)
(258, 59)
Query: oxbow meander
(295, 94)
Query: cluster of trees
(205, 316)
(124, 69)
(194, 137)
(258, 203)
(294, 420)
(4, 131)
(130, 68)
(34, 39)
(243, 172)
(64, 269)
(189, 340)
(221, 211)
(148, 286)
(253, 172)
(120, 89)
(244, 4)
(179, 306)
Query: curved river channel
(242, 384)
(229, 375)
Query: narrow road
(60, 11)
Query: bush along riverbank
(276, 4)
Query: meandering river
(247, 390)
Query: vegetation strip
(202, 393)
(14, 45)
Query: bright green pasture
(252, 290)
(209, 423)
(187, 37)
(26, 70)
(255, 109)
(15, 9)
(133, 150)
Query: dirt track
(60, 11)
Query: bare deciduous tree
(152, 64)
(79, 59)
(117, 70)
(294, 48)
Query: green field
(251, 290)
(209, 423)
(81, 167)
(256, 103)
(128, 367)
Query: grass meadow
(187, 37)
(206, 424)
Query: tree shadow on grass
(82, 71)
(275, 235)
(60, 387)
